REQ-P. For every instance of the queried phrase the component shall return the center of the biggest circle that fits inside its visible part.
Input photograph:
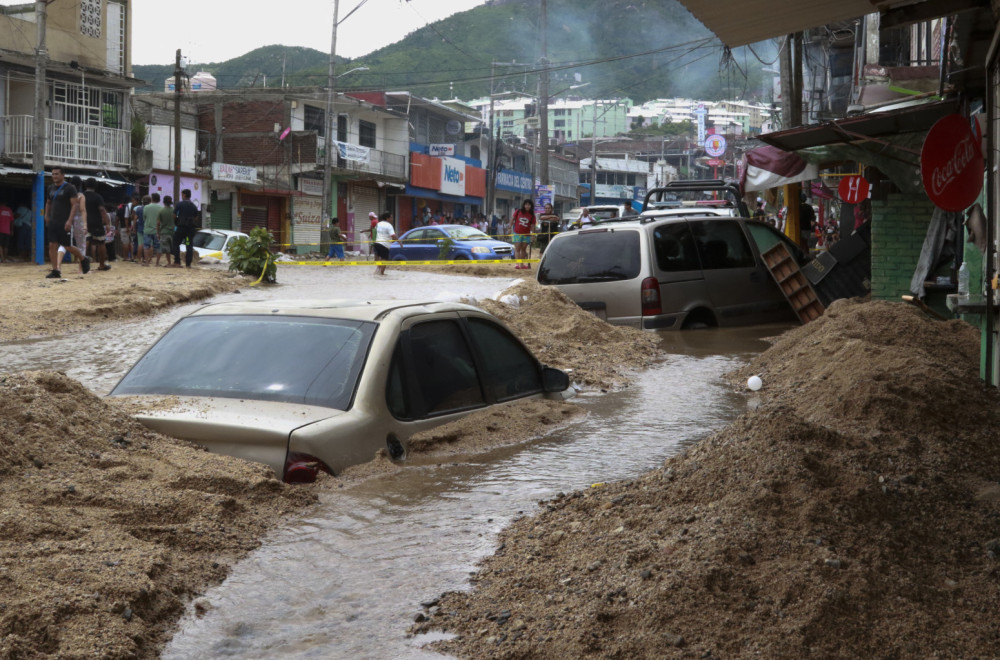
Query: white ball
(754, 383)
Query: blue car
(454, 242)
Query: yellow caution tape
(436, 262)
(263, 271)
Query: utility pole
(38, 139)
(330, 142)
(543, 97)
(491, 152)
(178, 77)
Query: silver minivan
(671, 271)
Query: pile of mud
(563, 335)
(853, 514)
(106, 528)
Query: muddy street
(347, 578)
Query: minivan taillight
(651, 297)
(303, 468)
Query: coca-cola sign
(951, 163)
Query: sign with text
(951, 163)
(234, 173)
(543, 195)
(311, 186)
(452, 177)
(854, 189)
(513, 181)
(442, 150)
(353, 152)
(715, 145)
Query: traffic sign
(853, 189)
(715, 145)
(716, 162)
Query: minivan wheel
(397, 451)
(699, 319)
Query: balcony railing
(66, 143)
(381, 163)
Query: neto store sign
(452, 177)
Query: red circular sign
(951, 163)
(853, 189)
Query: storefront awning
(873, 125)
(4, 170)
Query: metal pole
(330, 143)
(491, 165)
(39, 131)
(543, 98)
(178, 74)
(593, 158)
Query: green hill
(637, 48)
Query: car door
(738, 284)
(678, 268)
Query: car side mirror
(554, 380)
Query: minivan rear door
(678, 267)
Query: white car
(212, 245)
(305, 386)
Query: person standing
(384, 234)
(187, 213)
(165, 226)
(137, 226)
(585, 219)
(549, 226)
(6, 231)
(78, 232)
(150, 229)
(22, 231)
(97, 220)
(524, 222)
(336, 240)
(61, 205)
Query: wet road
(346, 581)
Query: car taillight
(651, 297)
(303, 468)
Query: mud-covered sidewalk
(853, 514)
(33, 306)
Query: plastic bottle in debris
(963, 280)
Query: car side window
(722, 244)
(414, 237)
(510, 371)
(443, 369)
(675, 248)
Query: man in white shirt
(385, 234)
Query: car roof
(446, 227)
(356, 310)
(224, 232)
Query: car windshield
(291, 359)
(591, 256)
(208, 240)
(466, 234)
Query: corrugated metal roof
(741, 22)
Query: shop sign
(715, 145)
(513, 181)
(951, 163)
(452, 177)
(311, 186)
(543, 196)
(234, 173)
(353, 152)
(854, 189)
(442, 150)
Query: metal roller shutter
(254, 212)
(365, 200)
(222, 212)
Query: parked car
(670, 271)
(212, 245)
(322, 385)
(454, 242)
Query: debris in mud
(106, 527)
(563, 335)
(852, 514)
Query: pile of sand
(106, 528)
(32, 306)
(563, 335)
(853, 514)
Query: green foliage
(452, 57)
(138, 132)
(445, 247)
(252, 255)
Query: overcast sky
(218, 30)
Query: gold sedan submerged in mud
(305, 386)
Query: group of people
(81, 224)
(15, 231)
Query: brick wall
(899, 226)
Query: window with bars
(314, 120)
(366, 133)
(92, 106)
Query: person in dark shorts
(97, 222)
(61, 205)
(384, 234)
(186, 213)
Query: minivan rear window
(591, 256)
(722, 244)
